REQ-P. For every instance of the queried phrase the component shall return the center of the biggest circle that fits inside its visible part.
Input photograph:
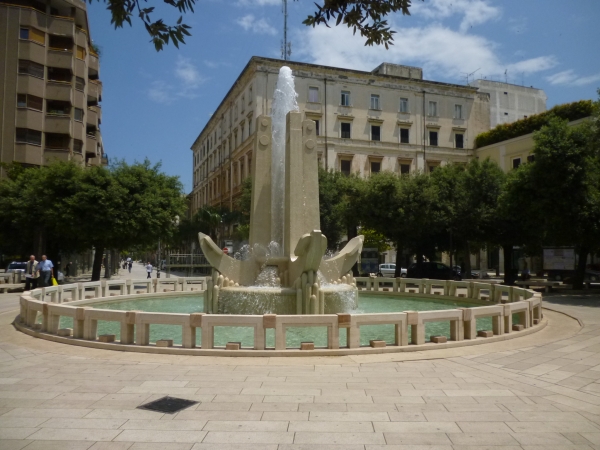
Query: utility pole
(286, 47)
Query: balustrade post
(128, 327)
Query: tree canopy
(66, 208)
(365, 16)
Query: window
(432, 167)
(313, 94)
(375, 101)
(27, 136)
(433, 109)
(30, 68)
(403, 105)
(317, 127)
(375, 166)
(79, 114)
(32, 34)
(79, 83)
(404, 135)
(459, 140)
(404, 168)
(77, 146)
(346, 166)
(530, 158)
(345, 130)
(516, 162)
(60, 75)
(249, 125)
(433, 138)
(80, 52)
(30, 101)
(345, 100)
(60, 43)
(375, 133)
(458, 112)
(57, 107)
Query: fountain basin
(260, 300)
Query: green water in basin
(294, 335)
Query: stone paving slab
(540, 391)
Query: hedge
(570, 111)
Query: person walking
(31, 273)
(45, 269)
(129, 264)
(149, 269)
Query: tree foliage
(569, 111)
(70, 208)
(365, 16)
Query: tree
(365, 16)
(468, 198)
(566, 174)
(68, 208)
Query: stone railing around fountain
(495, 301)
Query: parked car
(389, 270)
(433, 270)
(592, 275)
(458, 270)
(16, 266)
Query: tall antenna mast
(286, 47)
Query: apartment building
(511, 102)
(390, 119)
(51, 92)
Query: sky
(156, 103)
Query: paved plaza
(540, 391)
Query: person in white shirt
(149, 269)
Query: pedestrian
(68, 269)
(46, 270)
(149, 269)
(129, 264)
(31, 274)
(158, 272)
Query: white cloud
(187, 73)
(517, 25)
(569, 77)
(258, 2)
(474, 12)
(187, 81)
(260, 26)
(443, 53)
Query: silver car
(16, 266)
(389, 270)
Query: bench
(547, 285)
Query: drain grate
(169, 405)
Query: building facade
(51, 92)
(390, 119)
(510, 102)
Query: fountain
(284, 271)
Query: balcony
(57, 90)
(94, 65)
(62, 26)
(61, 59)
(31, 85)
(33, 18)
(29, 118)
(53, 154)
(32, 51)
(57, 123)
(28, 154)
(80, 69)
(92, 116)
(94, 91)
(91, 145)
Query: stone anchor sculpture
(299, 288)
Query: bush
(570, 111)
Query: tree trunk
(467, 274)
(580, 270)
(509, 273)
(97, 267)
(398, 271)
